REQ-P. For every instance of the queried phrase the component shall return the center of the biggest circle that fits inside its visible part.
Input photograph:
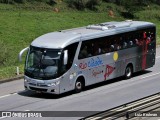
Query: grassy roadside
(18, 28)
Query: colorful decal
(79, 72)
(71, 77)
(83, 65)
(96, 72)
(74, 74)
(115, 56)
(93, 62)
(109, 71)
(144, 44)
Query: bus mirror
(65, 60)
(21, 53)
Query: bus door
(69, 73)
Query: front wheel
(128, 72)
(78, 86)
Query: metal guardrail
(128, 110)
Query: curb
(11, 79)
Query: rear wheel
(78, 86)
(128, 72)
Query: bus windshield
(42, 63)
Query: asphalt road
(98, 97)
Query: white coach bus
(58, 62)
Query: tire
(78, 86)
(128, 72)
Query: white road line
(7, 95)
(150, 75)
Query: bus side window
(151, 34)
(83, 52)
(118, 44)
(124, 44)
(131, 43)
(86, 50)
(71, 54)
(108, 46)
(112, 47)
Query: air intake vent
(106, 26)
(97, 27)
(123, 24)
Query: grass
(19, 27)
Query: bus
(71, 59)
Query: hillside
(21, 23)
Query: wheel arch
(128, 71)
(81, 78)
(130, 64)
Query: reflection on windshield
(42, 63)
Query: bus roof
(63, 38)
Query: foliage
(91, 4)
(82, 4)
(51, 2)
(4, 53)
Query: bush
(92, 4)
(24, 1)
(7, 1)
(147, 15)
(20, 1)
(82, 4)
(78, 4)
(51, 2)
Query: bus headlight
(27, 79)
(54, 83)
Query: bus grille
(38, 89)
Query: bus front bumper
(51, 87)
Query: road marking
(7, 95)
(150, 75)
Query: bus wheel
(128, 72)
(78, 86)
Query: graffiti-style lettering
(96, 72)
(95, 62)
